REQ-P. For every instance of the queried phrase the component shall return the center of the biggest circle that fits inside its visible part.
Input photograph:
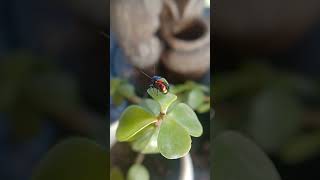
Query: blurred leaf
(133, 120)
(73, 158)
(173, 141)
(247, 80)
(148, 142)
(187, 118)
(151, 105)
(114, 84)
(275, 117)
(237, 158)
(117, 99)
(126, 90)
(203, 108)
(53, 91)
(176, 89)
(138, 172)
(301, 148)
(165, 100)
(204, 88)
(116, 174)
(195, 98)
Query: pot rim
(186, 165)
(188, 45)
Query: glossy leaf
(173, 141)
(116, 174)
(187, 118)
(147, 143)
(195, 98)
(165, 100)
(133, 120)
(138, 172)
(238, 158)
(74, 158)
(151, 105)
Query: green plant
(155, 125)
(237, 157)
(161, 124)
(73, 158)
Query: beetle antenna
(145, 74)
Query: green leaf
(195, 98)
(114, 84)
(151, 105)
(116, 174)
(165, 100)
(117, 99)
(138, 172)
(187, 118)
(53, 91)
(204, 88)
(173, 141)
(180, 88)
(203, 108)
(275, 117)
(237, 158)
(126, 90)
(147, 143)
(133, 120)
(73, 158)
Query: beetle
(159, 83)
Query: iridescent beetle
(159, 83)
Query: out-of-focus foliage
(116, 174)
(119, 90)
(73, 158)
(194, 94)
(237, 157)
(31, 87)
(270, 106)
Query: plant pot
(134, 20)
(177, 10)
(186, 166)
(144, 53)
(188, 54)
(134, 24)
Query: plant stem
(139, 158)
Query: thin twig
(139, 158)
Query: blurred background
(266, 79)
(53, 78)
